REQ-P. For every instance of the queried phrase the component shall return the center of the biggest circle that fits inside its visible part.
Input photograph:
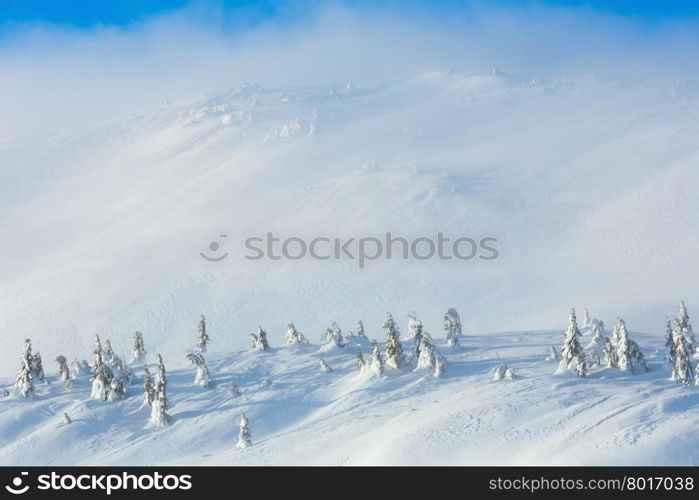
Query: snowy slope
(588, 185)
(309, 417)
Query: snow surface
(589, 185)
(347, 418)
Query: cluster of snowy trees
(620, 351)
(110, 376)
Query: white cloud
(54, 79)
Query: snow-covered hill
(588, 185)
(309, 417)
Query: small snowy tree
(361, 363)
(623, 347)
(259, 339)
(325, 367)
(107, 352)
(148, 387)
(203, 337)
(609, 353)
(586, 319)
(413, 325)
(38, 368)
(64, 371)
(417, 337)
(683, 320)
(97, 358)
(101, 382)
(138, 351)
(454, 321)
(202, 377)
(66, 419)
(80, 368)
(334, 334)
(244, 436)
(393, 347)
(429, 358)
(669, 343)
(452, 331)
(360, 329)
(573, 356)
(293, 336)
(232, 389)
(159, 416)
(24, 383)
(376, 361)
(500, 371)
(682, 370)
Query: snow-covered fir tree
(138, 349)
(610, 358)
(500, 371)
(682, 370)
(293, 336)
(361, 362)
(107, 352)
(454, 321)
(595, 348)
(80, 368)
(232, 389)
(24, 383)
(623, 347)
(121, 370)
(333, 334)
(64, 372)
(360, 329)
(587, 322)
(38, 368)
(452, 330)
(628, 353)
(101, 381)
(413, 325)
(429, 359)
(325, 367)
(148, 387)
(669, 343)
(573, 356)
(393, 346)
(417, 337)
(683, 320)
(117, 388)
(97, 359)
(244, 435)
(202, 337)
(159, 416)
(202, 376)
(259, 339)
(376, 361)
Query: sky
(87, 13)
(69, 64)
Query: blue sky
(88, 13)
